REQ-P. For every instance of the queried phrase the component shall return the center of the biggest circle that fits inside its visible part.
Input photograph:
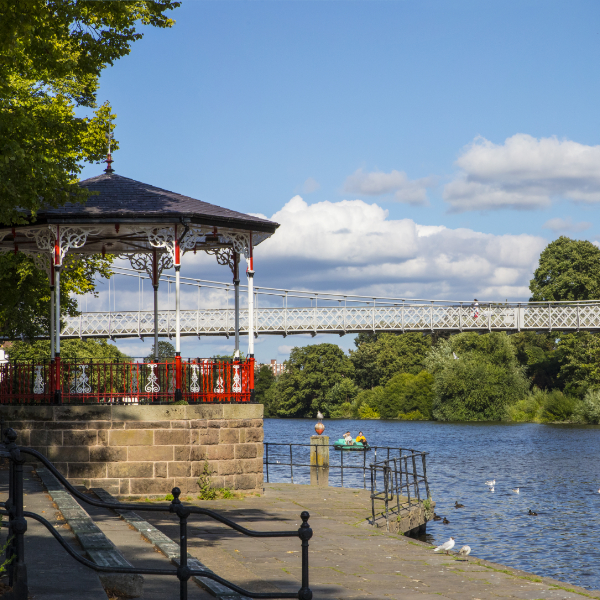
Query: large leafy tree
(376, 362)
(537, 352)
(480, 383)
(25, 292)
(568, 270)
(311, 372)
(51, 55)
(579, 358)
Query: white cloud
(378, 183)
(353, 247)
(524, 173)
(310, 185)
(567, 224)
(285, 350)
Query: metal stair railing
(17, 527)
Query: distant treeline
(526, 376)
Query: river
(556, 467)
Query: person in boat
(361, 438)
(348, 438)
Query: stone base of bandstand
(145, 451)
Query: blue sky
(431, 148)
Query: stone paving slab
(96, 545)
(348, 558)
(168, 547)
(52, 573)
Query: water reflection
(556, 468)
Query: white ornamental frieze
(194, 383)
(237, 381)
(152, 386)
(80, 382)
(38, 384)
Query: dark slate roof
(122, 199)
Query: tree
(579, 359)
(407, 396)
(375, 363)
(39, 351)
(568, 270)
(263, 380)
(481, 383)
(25, 292)
(165, 350)
(310, 373)
(340, 399)
(52, 53)
(536, 352)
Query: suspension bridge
(288, 312)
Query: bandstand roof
(126, 216)
(120, 199)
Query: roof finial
(109, 159)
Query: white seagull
(491, 488)
(319, 415)
(516, 491)
(446, 546)
(465, 551)
(491, 482)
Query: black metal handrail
(17, 526)
(399, 483)
(388, 452)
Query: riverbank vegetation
(544, 377)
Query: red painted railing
(131, 382)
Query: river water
(556, 467)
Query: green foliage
(310, 373)
(375, 363)
(99, 350)
(207, 492)
(579, 358)
(558, 407)
(339, 399)
(537, 352)
(166, 350)
(366, 405)
(51, 57)
(169, 497)
(478, 386)
(406, 394)
(568, 270)
(25, 292)
(528, 409)
(263, 381)
(588, 410)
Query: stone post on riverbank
(319, 460)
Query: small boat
(357, 446)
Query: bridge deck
(341, 320)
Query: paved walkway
(348, 559)
(51, 572)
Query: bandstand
(152, 228)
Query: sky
(408, 148)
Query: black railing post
(305, 533)
(183, 571)
(18, 522)
(425, 475)
(267, 460)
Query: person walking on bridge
(475, 308)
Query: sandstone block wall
(146, 450)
